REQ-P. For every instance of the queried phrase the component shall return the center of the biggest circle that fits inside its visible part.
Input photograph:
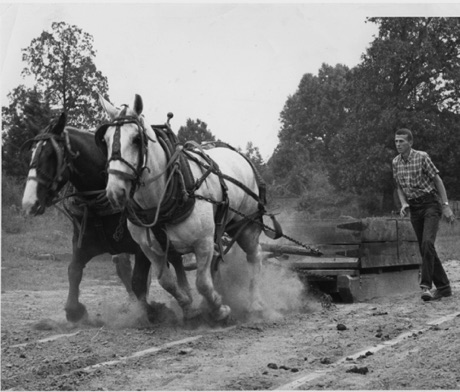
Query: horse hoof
(74, 315)
(222, 313)
(257, 307)
(160, 313)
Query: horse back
(234, 165)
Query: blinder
(50, 182)
(116, 147)
(99, 138)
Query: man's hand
(448, 214)
(404, 210)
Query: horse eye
(137, 140)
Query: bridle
(136, 175)
(60, 144)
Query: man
(421, 190)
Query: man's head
(403, 141)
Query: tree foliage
(195, 130)
(309, 121)
(253, 153)
(27, 114)
(344, 120)
(62, 64)
(409, 77)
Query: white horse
(137, 172)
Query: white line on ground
(48, 339)
(151, 350)
(299, 381)
(140, 353)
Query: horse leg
(168, 281)
(123, 266)
(248, 240)
(175, 259)
(76, 311)
(204, 281)
(156, 312)
(140, 278)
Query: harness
(52, 183)
(179, 197)
(75, 204)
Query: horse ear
(58, 128)
(109, 109)
(138, 105)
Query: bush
(12, 190)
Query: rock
(359, 370)
(272, 366)
(341, 327)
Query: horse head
(124, 141)
(48, 171)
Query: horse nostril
(33, 210)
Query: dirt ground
(299, 342)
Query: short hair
(405, 132)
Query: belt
(423, 199)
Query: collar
(409, 157)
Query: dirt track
(389, 343)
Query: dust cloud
(123, 314)
(281, 290)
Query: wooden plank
(347, 231)
(405, 230)
(370, 286)
(333, 272)
(389, 254)
(379, 230)
(307, 262)
(347, 250)
(289, 249)
(319, 232)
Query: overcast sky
(231, 65)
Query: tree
(309, 121)
(62, 63)
(27, 114)
(195, 130)
(316, 112)
(409, 77)
(253, 153)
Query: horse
(67, 155)
(184, 198)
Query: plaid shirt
(415, 175)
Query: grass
(37, 252)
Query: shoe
(427, 295)
(438, 294)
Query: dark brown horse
(60, 155)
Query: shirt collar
(409, 158)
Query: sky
(231, 65)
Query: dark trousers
(425, 219)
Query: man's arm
(402, 199)
(446, 210)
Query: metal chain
(313, 250)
